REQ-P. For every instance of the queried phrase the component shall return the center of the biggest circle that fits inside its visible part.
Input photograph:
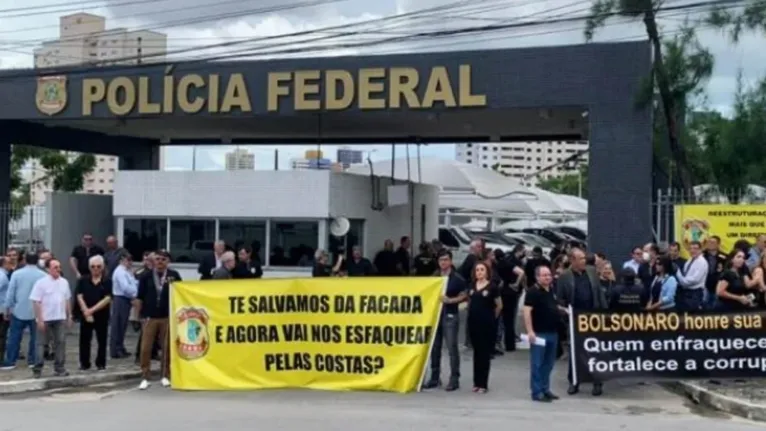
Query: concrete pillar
(143, 156)
(5, 194)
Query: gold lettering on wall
(307, 90)
(466, 97)
(365, 89)
(338, 81)
(185, 84)
(93, 91)
(277, 89)
(236, 95)
(373, 89)
(144, 104)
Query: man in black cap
(153, 304)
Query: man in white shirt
(636, 259)
(51, 299)
(691, 279)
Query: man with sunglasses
(52, 304)
(153, 303)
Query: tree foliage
(751, 17)
(568, 184)
(646, 10)
(63, 172)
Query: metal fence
(667, 200)
(22, 226)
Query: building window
(191, 240)
(244, 233)
(143, 235)
(293, 243)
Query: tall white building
(84, 39)
(240, 160)
(524, 160)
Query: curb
(724, 403)
(35, 385)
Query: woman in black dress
(735, 287)
(484, 308)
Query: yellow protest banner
(318, 333)
(729, 222)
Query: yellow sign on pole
(728, 222)
(328, 333)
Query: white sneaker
(144, 385)
(165, 382)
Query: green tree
(63, 172)
(735, 146)
(751, 17)
(568, 184)
(646, 10)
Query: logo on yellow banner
(192, 339)
(340, 334)
(728, 222)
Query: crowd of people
(111, 292)
(491, 283)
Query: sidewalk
(746, 398)
(20, 379)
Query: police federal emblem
(51, 97)
(192, 336)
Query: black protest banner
(667, 345)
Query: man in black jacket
(579, 287)
(153, 304)
(628, 296)
(385, 261)
(212, 261)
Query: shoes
(551, 396)
(573, 389)
(452, 386)
(598, 389)
(37, 374)
(101, 368)
(541, 399)
(84, 368)
(432, 384)
(165, 382)
(144, 385)
(61, 373)
(8, 367)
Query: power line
(253, 51)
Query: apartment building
(240, 160)
(84, 39)
(524, 160)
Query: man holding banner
(449, 325)
(579, 287)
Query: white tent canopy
(540, 202)
(450, 175)
(524, 224)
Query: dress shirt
(124, 283)
(694, 274)
(19, 288)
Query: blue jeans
(709, 300)
(15, 332)
(541, 360)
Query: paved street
(506, 406)
(22, 372)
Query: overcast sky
(197, 23)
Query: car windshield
(494, 237)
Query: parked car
(556, 237)
(572, 231)
(458, 240)
(532, 241)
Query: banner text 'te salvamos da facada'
(670, 345)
